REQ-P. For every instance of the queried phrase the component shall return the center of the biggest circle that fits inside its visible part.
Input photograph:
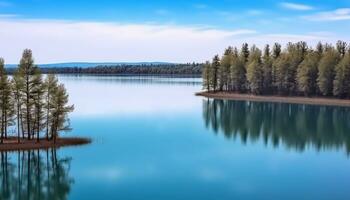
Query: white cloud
(60, 41)
(335, 15)
(295, 6)
(255, 12)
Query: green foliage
(294, 70)
(254, 71)
(37, 105)
(307, 74)
(326, 71)
(342, 77)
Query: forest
(150, 69)
(297, 69)
(32, 106)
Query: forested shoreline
(32, 106)
(149, 69)
(296, 70)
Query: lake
(153, 139)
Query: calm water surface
(153, 139)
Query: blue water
(153, 139)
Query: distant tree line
(297, 69)
(35, 106)
(144, 69)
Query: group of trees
(33, 106)
(296, 70)
(144, 69)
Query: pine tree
(254, 71)
(60, 111)
(245, 52)
(237, 73)
(267, 71)
(214, 72)
(38, 93)
(224, 69)
(50, 87)
(18, 85)
(307, 74)
(342, 77)
(6, 108)
(27, 69)
(326, 71)
(341, 48)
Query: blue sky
(176, 31)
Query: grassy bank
(278, 99)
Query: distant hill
(92, 64)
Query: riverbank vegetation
(298, 69)
(32, 107)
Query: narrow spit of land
(278, 99)
(11, 144)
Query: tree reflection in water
(293, 125)
(34, 174)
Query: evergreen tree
(6, 108)
(224, 69)
(18, 85)
(245, 52)
(267, 71)
(237, 73)
(27, 69)
(341, 48)
(342, 77)
(254, 71)
(214, 72)
(326, 71)
(307, 74)
(38, 93)
(60, 111)
(50, 87)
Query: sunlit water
(153, 139)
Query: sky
(161, 30)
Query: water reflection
(295, 126)
(34, 174)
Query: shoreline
(10, 144)
(277, 99)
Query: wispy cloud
(49, 39)
(296, 6)
(335, 15)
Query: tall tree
(214, 72)
(326, 71)
(38, 95)
(254, 71)
(27, 69)
(245, 52)
(60, 111)
(267, 70)
(6, 108)
(237, 73)
(224, 69)
(307, 74)
(341, 48)
(342, 77)
(18, 85)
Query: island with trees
(33, 108)
(296, 74)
